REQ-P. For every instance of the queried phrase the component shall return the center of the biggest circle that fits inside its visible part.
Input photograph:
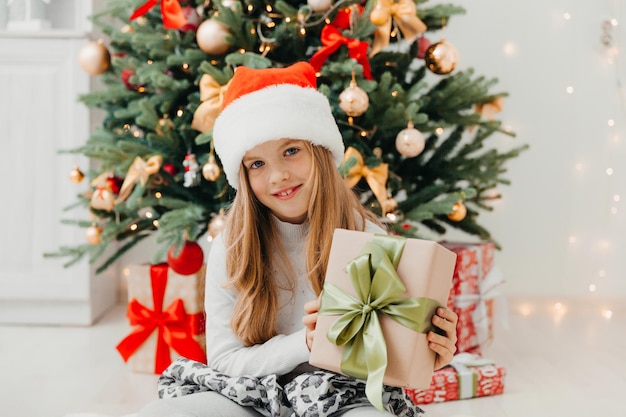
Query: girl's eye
(291, 151)
(256, 164)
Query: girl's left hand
(443, 345)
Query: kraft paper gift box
(475, 293)
(376, 264)
(467, 376)
(166, 311)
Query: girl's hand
(310, 320)
(443, 345)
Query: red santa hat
(268, 104)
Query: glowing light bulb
(567, 16)
(510, 49)
(592, 287)
(602, 273)
(611, 122)
(572, 239)
(616, 197)
(570, 90)
(609, 171)
(607, 314)
(526, 309)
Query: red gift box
(467, 376)
(474, 291)
(166, 311)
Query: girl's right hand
(310, 320)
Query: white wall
(559, 224)
(560, 189)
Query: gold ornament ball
(94, 58)
(441, 57)
(410, 141)
(459, 211)
(210, 170)
(76, 175)
(319, 6)
(211, 37)
(216, 225)
(93, 234)
(354, 100)
(234, 5)
(379, 15)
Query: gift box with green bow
(379, 297)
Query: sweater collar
(289, 233)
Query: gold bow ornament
(141, 171)
(211, 97)
(489, 109)
(404, 15)
(376, 177)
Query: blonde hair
(251, 244)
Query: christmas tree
(416, 127)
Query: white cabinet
(40, 81)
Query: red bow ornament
(174, 326)
(332, 39)
(172, 12)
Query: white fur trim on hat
(282, 111)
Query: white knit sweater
(282, 353)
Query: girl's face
(279, 172)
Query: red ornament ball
(422, 46)
(189, 260)
(192, 19)
(115, 184)
(170, 168)
(125, 76)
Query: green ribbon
(379, 289)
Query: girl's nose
(280, 174)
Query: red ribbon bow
(332, 39)
(175, 327)
(172, 12)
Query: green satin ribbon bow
(379, 289)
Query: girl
(280, 147)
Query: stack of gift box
(474, 293)
(166, 315)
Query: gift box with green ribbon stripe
(379, 297)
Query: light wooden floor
(566, 359)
